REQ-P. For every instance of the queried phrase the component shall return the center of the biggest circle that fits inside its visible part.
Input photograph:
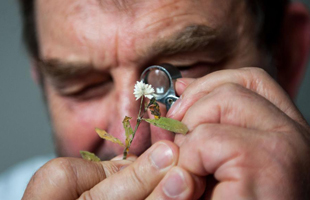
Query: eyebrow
(61, 70)
(191, 38)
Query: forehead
(108, 27)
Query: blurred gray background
(24, 126)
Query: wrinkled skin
(245, 132)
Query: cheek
(74, 124)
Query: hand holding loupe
(162, 78)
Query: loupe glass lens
(159, 80)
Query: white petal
(149, 96)
(143, 89)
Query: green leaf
(128, 131)
(169, 124)
(127, 127)
(89, 156)
(104, 135)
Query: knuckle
(107, 169)
(58, 170)
(231, 91)
(228, 88)
(256, 76)
(55, 175)
(61, 164)
(256, 71)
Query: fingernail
(162, 156)
(180, 84)
(175, 107)
(175, 184)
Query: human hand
(73, 178)
(246, 132)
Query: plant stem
(135, 130)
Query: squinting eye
(197, 70)
(90, 92)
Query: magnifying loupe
(162, 78)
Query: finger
(211, 145)
(68, 178)
(139, 179)
(181, 84)
(235, 105)
(244, 161)
(254, 79)
(178, 184)
(216, 149)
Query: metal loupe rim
(171, 72)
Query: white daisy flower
(143, 89)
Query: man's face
(95, 50)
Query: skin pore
(93, 51)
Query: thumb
(68, 178)
(138, 180)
